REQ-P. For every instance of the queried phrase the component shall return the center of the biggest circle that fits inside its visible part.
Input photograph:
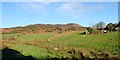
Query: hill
(37, 28)
(60, 41)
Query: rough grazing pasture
(28, 37)
(108, 41)
(72, 45)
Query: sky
(60, 0)
(82, 13)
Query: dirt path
(62, 34)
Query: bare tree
(100, 25)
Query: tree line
(101, 26)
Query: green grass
(34, 51)
(108, 41)
(34, 37)
(104, 42)
(30, 50)
(5, 36)
(28, 37)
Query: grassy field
(28, 37)
(104, 43)
(107, 41)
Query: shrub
(90, 30)
(60, 32)
(82, 33)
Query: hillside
(59, 41)
(64, 45)
(37, 28)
